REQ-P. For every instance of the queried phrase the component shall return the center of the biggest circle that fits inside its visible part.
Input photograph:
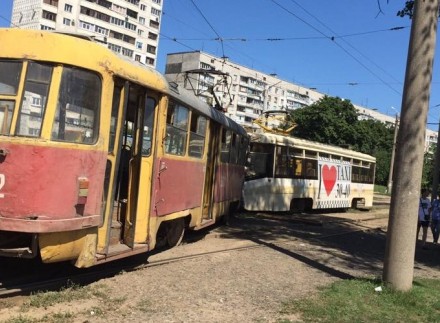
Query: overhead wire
(210, 25)
(337, 44)
(349, 44)
(275, 39)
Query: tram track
(109, 270)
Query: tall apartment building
(128, 27)
(247, 93)
(244, 92)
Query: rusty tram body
(102, 158)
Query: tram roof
(269, 138)
(187, 97)
(80, 50)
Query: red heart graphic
(329, 178)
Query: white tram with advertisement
(291, 174)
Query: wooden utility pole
(401, 237)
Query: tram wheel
(175, 232)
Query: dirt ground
(287, 259)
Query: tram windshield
(78, 101)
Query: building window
(154, 24)
(127, 52)
(157, 1)
(116, 21)
(36, 101)
(137, 58)
(86, 26)
(206, 66)
(130, 26)
(152, 36)
(51, 2)
(149, 61)
(43, 27)
(66, 22)
(101, 30)
(142, 20)
(140, 32)
(68, 8)
(155, 12)
(115, 48)
(49, 15)
(151, 49)
(138, 45)
(143, 7)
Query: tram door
(130, 161)
(213, 151)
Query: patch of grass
(62, 317)
(144, 305)
(381, 189)
(20, 319)
(46, 299)
(357, 301)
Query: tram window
(234, 149)
(356, 174)
(258, 166)
(114, 117)
(197, 135)
(226, 145)
(282, 162)
(296, 152)
(310, 154)
(310, 168)
(177, 125)
(148, 126)
(297, 167)
(10, 72)
(260, 161)
(34, 99)
(77, 114)
(242, 150)
(6, 110)
(371, 174)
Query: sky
(345, 48)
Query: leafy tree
(428, 166)
(383, 160)
(330, 120)
(407, 10)
(336, 122)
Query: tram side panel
(55, 194)
(228, 185)
(177, 186)
(54, 189)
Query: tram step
(115, 233)
(205, 223)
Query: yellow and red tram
(102, 158)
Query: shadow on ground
(339, 247)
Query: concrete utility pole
(401, 237)
(393, 152)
